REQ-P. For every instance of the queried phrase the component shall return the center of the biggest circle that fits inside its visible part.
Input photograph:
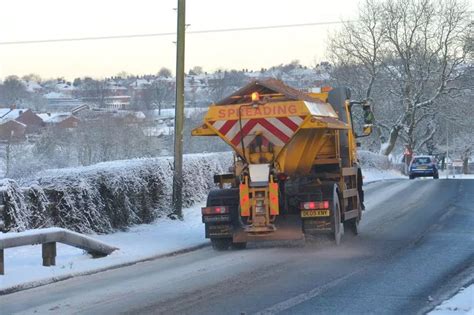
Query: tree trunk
(465, 160)
(386, 150)
(8, 158)
(465, 165)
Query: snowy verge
(23, 267)
(376, 167)
(373, 175)
(461, 303)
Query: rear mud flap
(315, 226)
(288, 227)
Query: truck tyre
(221, 243)
(411, 177)
(337, 227)
(229, 198)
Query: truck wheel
(239, 246)
(412, 177)
(337, 226)
(221, 243)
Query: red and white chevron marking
(277, 130)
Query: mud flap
(288, 227)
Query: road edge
(39, 283)
(462, 279)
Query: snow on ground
(450, 175)
(461, 303)
(373, 174)
(23, 264)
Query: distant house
(33, 87)
(116, 97)
(65, 88)
(60, 120)
(117, 102)
(31, 121)
(62, 102)
(137, 88)
(12, 130)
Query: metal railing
(48, 239)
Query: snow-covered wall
(107, 196)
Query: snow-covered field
(23, 264)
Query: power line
(238, 29)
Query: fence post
(49, 254)
(2, 263)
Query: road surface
(415, 237)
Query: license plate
(314, 213)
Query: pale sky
(52, 19)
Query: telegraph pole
(179, 113)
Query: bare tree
(164, 73)
(13, 91)
(196, 70)
(94, 90)
(32, 77)
(164, 92)
(225, 82)
(412, 52)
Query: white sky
(50, 19)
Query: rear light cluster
(215, 210)
(311, 205)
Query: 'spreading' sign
(227, 112)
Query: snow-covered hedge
(369, 159)
(107, 196)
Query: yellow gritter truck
(295, 170)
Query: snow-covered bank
(461, 303)
(23, 264)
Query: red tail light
(214, 210)
(310, 205)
